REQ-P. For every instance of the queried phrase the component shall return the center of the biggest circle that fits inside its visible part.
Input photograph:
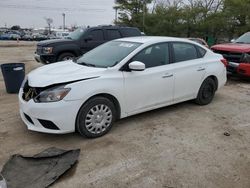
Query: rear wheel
(206, 92)
(65, 56)
(96, 117)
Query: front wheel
(65, 56)
(96, 117)
(206, 92)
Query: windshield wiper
(87, 64)
(240, 42)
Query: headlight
(54, 94)
(47, 50)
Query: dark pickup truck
(79, 42)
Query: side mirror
(88, 38)
(233, 40)
(136, 66)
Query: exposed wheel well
(68, 51)
(215, 80)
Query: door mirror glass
(136, 66)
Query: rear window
(113, 34)
(130, 32)
(184, 51)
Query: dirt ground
(178, 146)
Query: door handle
(167, 75)
(201, 69)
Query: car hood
(232, 47)
(51, 42)
(62, 72)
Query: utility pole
(143, 16)
(116, 9)
(63, 14)
(116, 15)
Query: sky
(31, 13)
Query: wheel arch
(65, 51)
(112, 98)
(215, 79)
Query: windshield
(108, 54)
(244, 38)
(75, 35)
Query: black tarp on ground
(2, 182)
(38, 171)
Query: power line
(33, 7)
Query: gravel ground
(178, 146)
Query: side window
(113, 34)
(97, 35)
(201, 51)
(184, 52)
(154, 55)
(130, 32)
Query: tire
(206, 92)
(65, 56)
(96, 117)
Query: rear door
(92, 39)
(188, 69)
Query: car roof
(111, 27)
(152, 39)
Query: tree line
(214, 19)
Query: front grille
(29, 92)
(231, 69)
(230, 56)
(242, 71)
(39, 50)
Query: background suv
(79, 42)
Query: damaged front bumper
(242, 69)
(45, 59)
(52, 117)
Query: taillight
(224, 61)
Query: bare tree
(168, 3)
(49, 21)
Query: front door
(153, 87)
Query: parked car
(79, 42)
(39, 37)
(62, 34)
(27, 37)
(120, 78)
(15, 36)
(5, 36)
(200, 41)
(237, 54)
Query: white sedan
(118, 79)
